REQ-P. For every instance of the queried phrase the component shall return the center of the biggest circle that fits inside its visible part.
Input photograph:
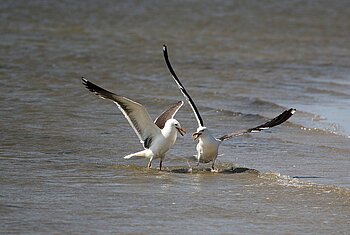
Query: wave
(267, 179)
(265, 110)
(327, 92)
(272, 178)
(306, 121)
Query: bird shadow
(306, 177)
(229, 170)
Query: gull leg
(199, 155)
(212, 167)
(149, 163)
(198, 163)
(189, 165)
(160, 164)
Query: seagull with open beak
(208, 145)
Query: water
(61, 147)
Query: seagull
(156, 137)
(208, 146)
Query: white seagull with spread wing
(156, 137)
(208, 146)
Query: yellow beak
(196, 135)
(181, 131)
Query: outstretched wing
(273, 122)
(182, 88)
(168, 114)
(136, 114)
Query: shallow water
(61, 147)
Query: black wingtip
(90, 86)
(84, 81)
(182, 88)
(275, 121)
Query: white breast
(162, 143)
(207, 148)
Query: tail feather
(144, 153)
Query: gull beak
(196, 135)
(181, 131)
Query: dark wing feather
(182, 88)
(273, 122)
(168, 114)
(136, 114)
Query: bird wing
(182, 88)
(168, 114)
(273, 122)
(136, 114)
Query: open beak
(181, 131)
(196, 135)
